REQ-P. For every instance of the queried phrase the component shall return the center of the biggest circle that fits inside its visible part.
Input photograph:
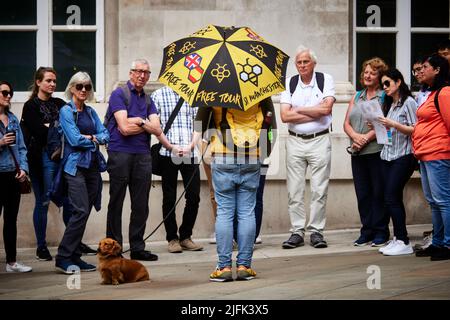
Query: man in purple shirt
(131, 118)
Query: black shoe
(143, 255)
(42, 254)
(295, 240)
(442, 254)
(86, 250)
(317, 241)
(428, 252)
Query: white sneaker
(212, 240)
(400, 248)
(258, 240)
(389, 245)
(17, 267)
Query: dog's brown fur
(114, 269)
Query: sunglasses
(386, 83)
(5, 93)
(80, 87)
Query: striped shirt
(182, 128)
(401, 143)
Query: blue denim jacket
(81, 148)
(20, 151)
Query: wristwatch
(142, 123)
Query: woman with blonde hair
(366, 161)
(82, 163)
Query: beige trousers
(301, 153)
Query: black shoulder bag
(156, 157)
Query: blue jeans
(41, 185)
(235, 188)
(436, 188)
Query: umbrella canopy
(224, 66)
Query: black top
(35, 114)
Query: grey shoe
(174, 246)
(189, 245)
(295, 240)
(317, 240)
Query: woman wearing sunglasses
(82, 163)
(398, 161)
(11, 141)
(431, 141)
(366, 162)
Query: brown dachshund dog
(115, 269)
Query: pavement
(339, 272)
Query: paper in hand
(371, 112)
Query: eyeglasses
(5, 93)
(386, 83)
(416, 70)
(143, 72)
(80, 86)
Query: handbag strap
(11, 151)
(173, 115)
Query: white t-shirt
(309, 95)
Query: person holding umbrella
(235, 176)
(230, 73)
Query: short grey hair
(79, 77)
(139, 61)
(301, 49)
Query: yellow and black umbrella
(226, 67)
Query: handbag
(156, 159)
(25, 185)
(154, 150)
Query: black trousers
(396, 174)
(82, 190)
(9, 204)
(133, 171)
(192, 196)
(369, 184)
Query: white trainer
(400, 248)
(389, 245)
(258, 240)
(17, 267)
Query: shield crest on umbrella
(225, 67)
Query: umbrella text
(206, 97)
(186, 90)
(171, 78)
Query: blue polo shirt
(137, 107)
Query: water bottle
(268, 125)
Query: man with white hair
(306, 107)
(131, 118)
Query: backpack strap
(320, 79)
(293, 83)
(358, 94)
(436, 100)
